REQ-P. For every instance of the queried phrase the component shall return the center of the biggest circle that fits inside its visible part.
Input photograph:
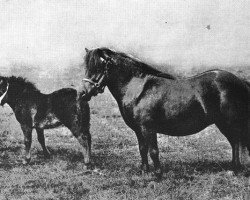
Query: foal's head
(4, 85)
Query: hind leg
(84, 138)
(78, 123)
(27, 131)
(82, 134)
(244, 155)
(41, 140)
(236, 135)
(244, 146)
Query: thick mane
(136, 65)
(145, 68)
(23, 83)
(92, 59)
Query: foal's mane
(130, 63)
(23, 84)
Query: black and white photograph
(124, 100)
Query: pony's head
(97, 65)
(4, 85)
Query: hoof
(230, 173)
(238, 169)
(158, 174)
(47, 155)
(144, 169)
(26, 161)
(88, 166)
(247, 174)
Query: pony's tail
(248, 83)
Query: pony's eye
(102, 59)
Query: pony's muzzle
(90, 88)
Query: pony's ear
(86, 50)
(2, 80)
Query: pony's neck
(16, 91)
(119, 79)
(12, 95)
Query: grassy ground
(195, 167)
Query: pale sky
(52, 34)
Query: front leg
(27, 131)
(143, 148)
(154, 154)
(150, 144)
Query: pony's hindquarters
(75, 115)
(80, 128)
(234, 119)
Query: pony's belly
(185, 128)
(50, 121)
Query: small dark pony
(152, 102)
(43, 111)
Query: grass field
(196, 167)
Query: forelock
(93, 62)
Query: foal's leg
(80, 129)
(84, 138)
(78, 124)
(27, 131)
(41, 140)
(82, 134)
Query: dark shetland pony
(153, 102)
(43, 111)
